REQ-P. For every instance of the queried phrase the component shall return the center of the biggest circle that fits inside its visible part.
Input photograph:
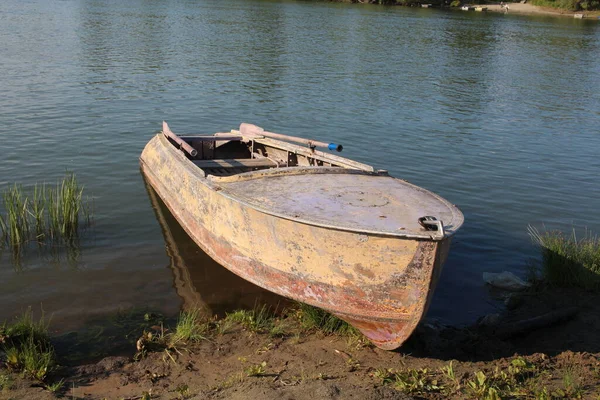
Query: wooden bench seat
(236, 163)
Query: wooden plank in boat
(316, 154)
(236, 163)
(211, 138)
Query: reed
(52, 212)
(568, 260)
(64, 204)
(37, 210)
(3, 231)
(17, 221)
(69, 195)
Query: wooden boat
(308, 225)
(195, 273)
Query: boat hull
(380, 284)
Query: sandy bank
(529, 9)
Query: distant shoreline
(519, 8)
(530, 9)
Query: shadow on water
(199, 280)
(548, 318)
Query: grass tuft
(569, 261)
(260, 319)
(313, 318)
(571, 5)
(36, 358)
(27, 347)
(23, 326)
(17, 222)
(189, 328)
(256, 370)
(38, 206)
(51, 215)
(64, 204)
(56, 386)
(6, 381)
(416, 381)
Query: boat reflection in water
(201, 282)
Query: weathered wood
(211, 138)
(316, 154)
(253, 130)
(261, 157)
(182, 143)
(236, 163)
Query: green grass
(571, 5)
(56, 386)
(3, 231)
(51, 214)
(518, 379)
(313, 318)
(256, 370)
(27, 346)
(64, 204)
(262, 319)
(569, 261)
(189, 328)
(572, 387)
(16, 226)
(37, 210)
(259, 319)
(24, 326)
(36, 359)
(6, 381)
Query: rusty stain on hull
(381, 284)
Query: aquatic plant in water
(15, 226)
(49, 216)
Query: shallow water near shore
(497, 113)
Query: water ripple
(497, 113)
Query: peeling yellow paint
(385, 282)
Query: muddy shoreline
(560, 360)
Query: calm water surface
(500, 114)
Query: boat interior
(232, 153)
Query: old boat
(195, 273)
(308, 225)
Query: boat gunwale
(382, 315)
(213, 184)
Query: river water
(500, 114)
